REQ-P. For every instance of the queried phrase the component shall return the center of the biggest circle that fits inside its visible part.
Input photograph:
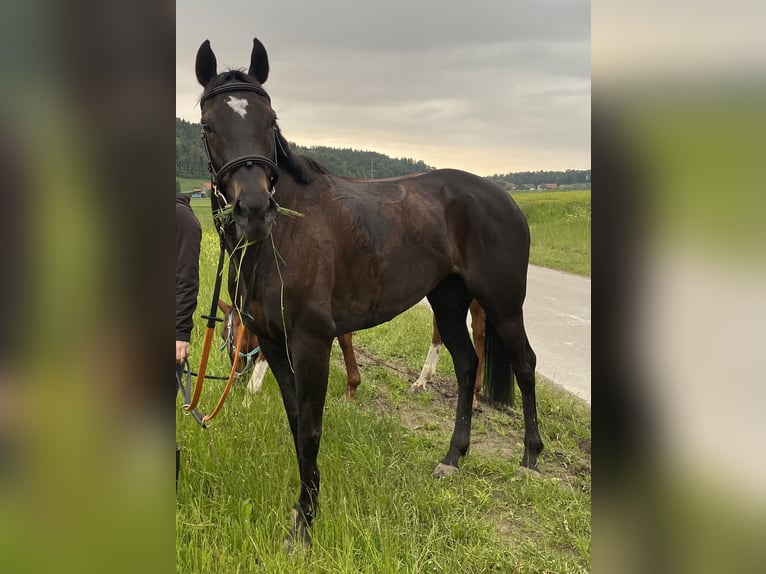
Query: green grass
(187, 183)
(201, 207)
(559, 225)
(380, 509)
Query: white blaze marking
(239, 105)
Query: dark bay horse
(360, 253)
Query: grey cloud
(427, 73)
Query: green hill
(192, 164)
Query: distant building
(203, 191)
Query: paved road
(557, 318)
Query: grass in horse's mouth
(288, 212)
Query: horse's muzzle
(253, 220)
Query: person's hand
(182, 351)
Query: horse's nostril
(241, 211)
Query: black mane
(303, 169)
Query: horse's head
(240, 136)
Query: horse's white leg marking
(429, 368)
(256, 379)
(239, 105)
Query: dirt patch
(495, 433)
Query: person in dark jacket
(188, 239)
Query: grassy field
(380, 509)
(559, 225)
(187, 184)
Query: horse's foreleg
(256, 379)
(352, 369)
(280, 366)
(311, 361)
(432, 359)
(259, 372)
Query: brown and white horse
(252, 358)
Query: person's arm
(188, 238)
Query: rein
(209, 332)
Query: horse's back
(396, 240)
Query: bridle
(222, 219)
(216, 175)
(230, 345)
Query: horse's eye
(206, 129)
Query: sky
(487, 86)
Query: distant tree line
(190, 156)
(527, 179)
(347, 162)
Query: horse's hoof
(443, 470)
(299, 539)
(526, 471)
(417, 387)
(291, 548)
(296, 545)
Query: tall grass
(380, 510)
(559, 224)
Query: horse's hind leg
(450, 302)
(523, 361)
(352, 369)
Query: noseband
(217, 175)
(231, 347)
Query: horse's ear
(206, 64)
(259, 62)
(223, 307)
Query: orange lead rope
(211, 321)
(202, 368)
(227, 388)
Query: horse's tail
(498, 371)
